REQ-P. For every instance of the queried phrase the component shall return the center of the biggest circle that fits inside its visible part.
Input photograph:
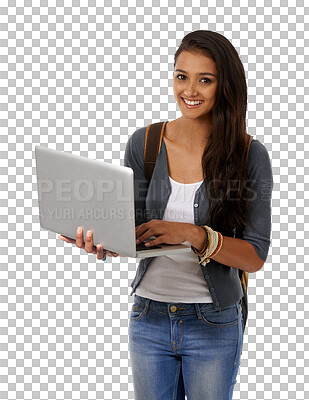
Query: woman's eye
(207, 80)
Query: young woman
(186, 323)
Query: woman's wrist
(196, 237)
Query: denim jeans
(184, 349)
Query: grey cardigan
(223, 281)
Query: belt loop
(147, 305)
(198, 311)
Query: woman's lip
(188, 106)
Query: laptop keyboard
(141, 246)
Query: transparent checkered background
(82, 76)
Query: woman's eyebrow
(201, 73)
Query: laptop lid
(98, 196)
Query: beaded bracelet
(219, 245)
(207, 239)
(210, 242)
(216, 251)
(214, 241)
(212, 245)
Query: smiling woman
(192, 89)
(190, 310)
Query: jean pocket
(138, 311)
(220, 319)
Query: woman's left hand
(165, 232)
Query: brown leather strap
(244, 279)
(153, 139)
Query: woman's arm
(234, 252)
(250, 252)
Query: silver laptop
(98, 196)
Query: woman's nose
(190, 90)
(190, 94)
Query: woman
(186, 323)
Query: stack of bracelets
(212, 246)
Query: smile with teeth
(192, 103)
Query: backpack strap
(153, 140)
(245, 274)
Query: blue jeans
(179, 349)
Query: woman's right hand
(88, 244)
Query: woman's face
(195, 78)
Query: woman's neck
(193, 132)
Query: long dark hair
(224, 158)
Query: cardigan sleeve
(258, 230)
(134, 158)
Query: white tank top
(177, 278)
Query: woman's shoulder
(257, 150)
(138, 137)
(258, 157)
(137, 140)
(134, 151)
(139, 133)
